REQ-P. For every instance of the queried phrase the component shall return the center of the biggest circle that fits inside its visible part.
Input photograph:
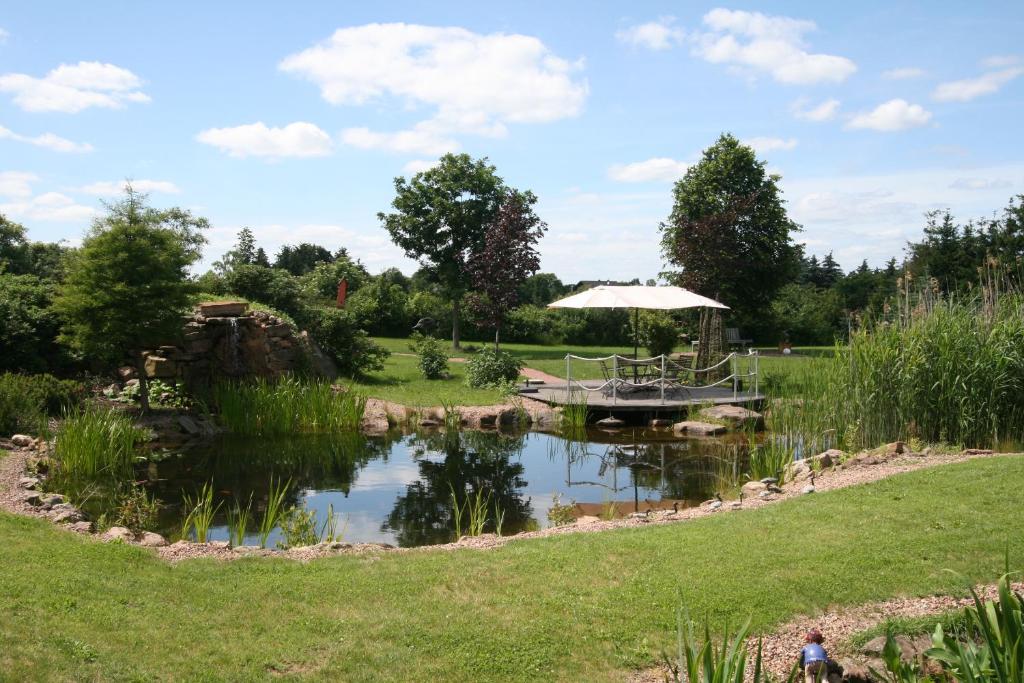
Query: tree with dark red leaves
(508, 257)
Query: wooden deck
(648, 402)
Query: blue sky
(295, 121)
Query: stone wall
(224, 339)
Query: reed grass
(201, 512)
(95, 446)
(452, 416)
(290, 405)
(473, 509)
(769, 459)
(275, 509)
(575, 412)
(329, 532)
(238, 522)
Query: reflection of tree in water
(472, 462)
(240, 466)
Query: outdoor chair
(733, 339)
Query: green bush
(270, 286)
(659, 333)
(491, 368)
(28, 335)
(337, 333)
(26, 400)
(433, 361)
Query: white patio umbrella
(637, 297)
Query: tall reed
(769, 459)
(238, 522)
(95, 445)
(266, 407)
(201, 512)
(274, 510)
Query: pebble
(807, 489)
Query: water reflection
(397, 488)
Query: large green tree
(440, 218)
(127, 286)
(728, 235)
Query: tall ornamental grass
(287, 406)
(95, 446)
(946, 371)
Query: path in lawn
(568, 607)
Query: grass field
(577, 607)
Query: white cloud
(4, 35)
(999, 61)
(418, 166)
(825, 111)
(979, 183)
(763, 144)
(299, 139)
(73, 87)
(109, 188)
(891, 116)
(654, 35)
(49, 206)
(658, 169)
(903, 73)
(770, 44)
(47, 140)
(423, 138)
(16, 183)
(474, 83)
(969, 88)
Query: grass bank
(576, 607)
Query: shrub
(26, 400)
(337, 333)
(433, 361)
(491, 368)
(131, 508)
(659, 333)
(271, 286)
(28, 335)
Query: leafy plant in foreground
(275, 508)
(201, 512)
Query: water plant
(95, 445)
(499, 518)
(452, 416)
(273, 407)
(274, 510)
(238, 522)
(559, 514)
(131, 507)
(769, 458)
(329, 532)
(298, 528)
(575, 412)
(201, 512)
(474, 509)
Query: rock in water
(611, 422)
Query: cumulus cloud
(73, 87)
(299, 139)
(654, 35)
(418, 166)
(891, 116)
(969, 88)
(16, 183)
(108, 188)
(658, 169)
(46, 140)
(473, 83)
(774, 45)
(766, 144)
(903, 73)
(49, 206)
(424, 138)
(825, 111)
(979, 183)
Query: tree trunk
(497, 334)
(456, 332)
(140, 366)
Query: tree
(541, 289)
(127, 286)
(244, 253)
(728, 232)
(301, 259)
(507, 258)
(440, 218)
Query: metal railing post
(757, 358)
(568, 377)
(662, 379)
(615, 377)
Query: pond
(397, 488)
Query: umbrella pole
(636, 332)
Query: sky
(295, 119)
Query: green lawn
(578, 607)
(400, 381)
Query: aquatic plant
(329, 532)
(266, 407)
(131, 507)
(95, 445)
(238, 522)
(769, 458)
(452, 416)
(575, 412)
(274, 510)
(559, 514)
(499, 518)
(298, 528)
(201, 512)
(477, 509)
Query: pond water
(397, 488)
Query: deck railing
(662, 380)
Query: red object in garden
(342, 292)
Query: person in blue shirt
(813, 658)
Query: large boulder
(118, 533)
(753, 488)
(158, 367)
(736, 416)
(223, 309)
(694, 427)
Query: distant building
(584, 285)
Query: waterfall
(234, 361)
